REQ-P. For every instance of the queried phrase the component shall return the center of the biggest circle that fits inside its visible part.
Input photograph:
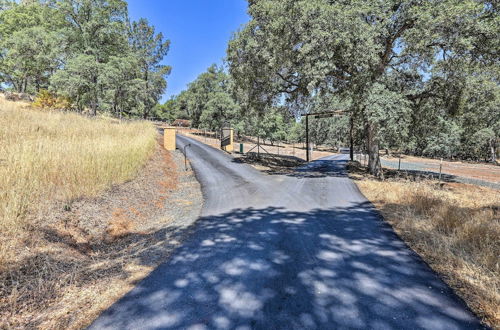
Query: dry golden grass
(47, 156)
(119, 226)
(77, 262)
(63, 257)
(455, 228)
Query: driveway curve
(304, 250)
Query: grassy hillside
(84, 208)
(54, 156)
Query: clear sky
(198, 30)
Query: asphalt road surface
(299, 251)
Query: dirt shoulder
(479, 171)
(81, 257)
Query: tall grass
(54, 156)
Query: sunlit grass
(55, 156)
(455, 228)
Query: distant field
(54, 156)
(482, 174)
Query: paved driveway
(298, 251)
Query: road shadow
(272, 163)
(321, 168)
(269, 268)
(296, 167)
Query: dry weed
(423, 203)
(49, 155)
(455, 228)
(450, 218)
(119, 226)
(52, 158)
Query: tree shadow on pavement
(322, 168)
(270, 268)
(287, 165)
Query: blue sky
(198, 30)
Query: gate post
(230, 146)
(226, 138)
(169, 138)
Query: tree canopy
(208, 101)
(417, 76)
(86, 50)
(392, 61)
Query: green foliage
(79, 81)
(149, 49)
(167, 111)
(481, 143)
(29, 45)
(445, 141)
(390, 111)
(399, 66)
(208, 101)
(219, 110)
(273, 126)
(296, 132)
(87, 50)
(46, 100)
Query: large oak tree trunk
(372, 142)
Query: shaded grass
(454, 227)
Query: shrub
(47, 100)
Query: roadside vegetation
(61, 156)
(455, 228)
(51, 161)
